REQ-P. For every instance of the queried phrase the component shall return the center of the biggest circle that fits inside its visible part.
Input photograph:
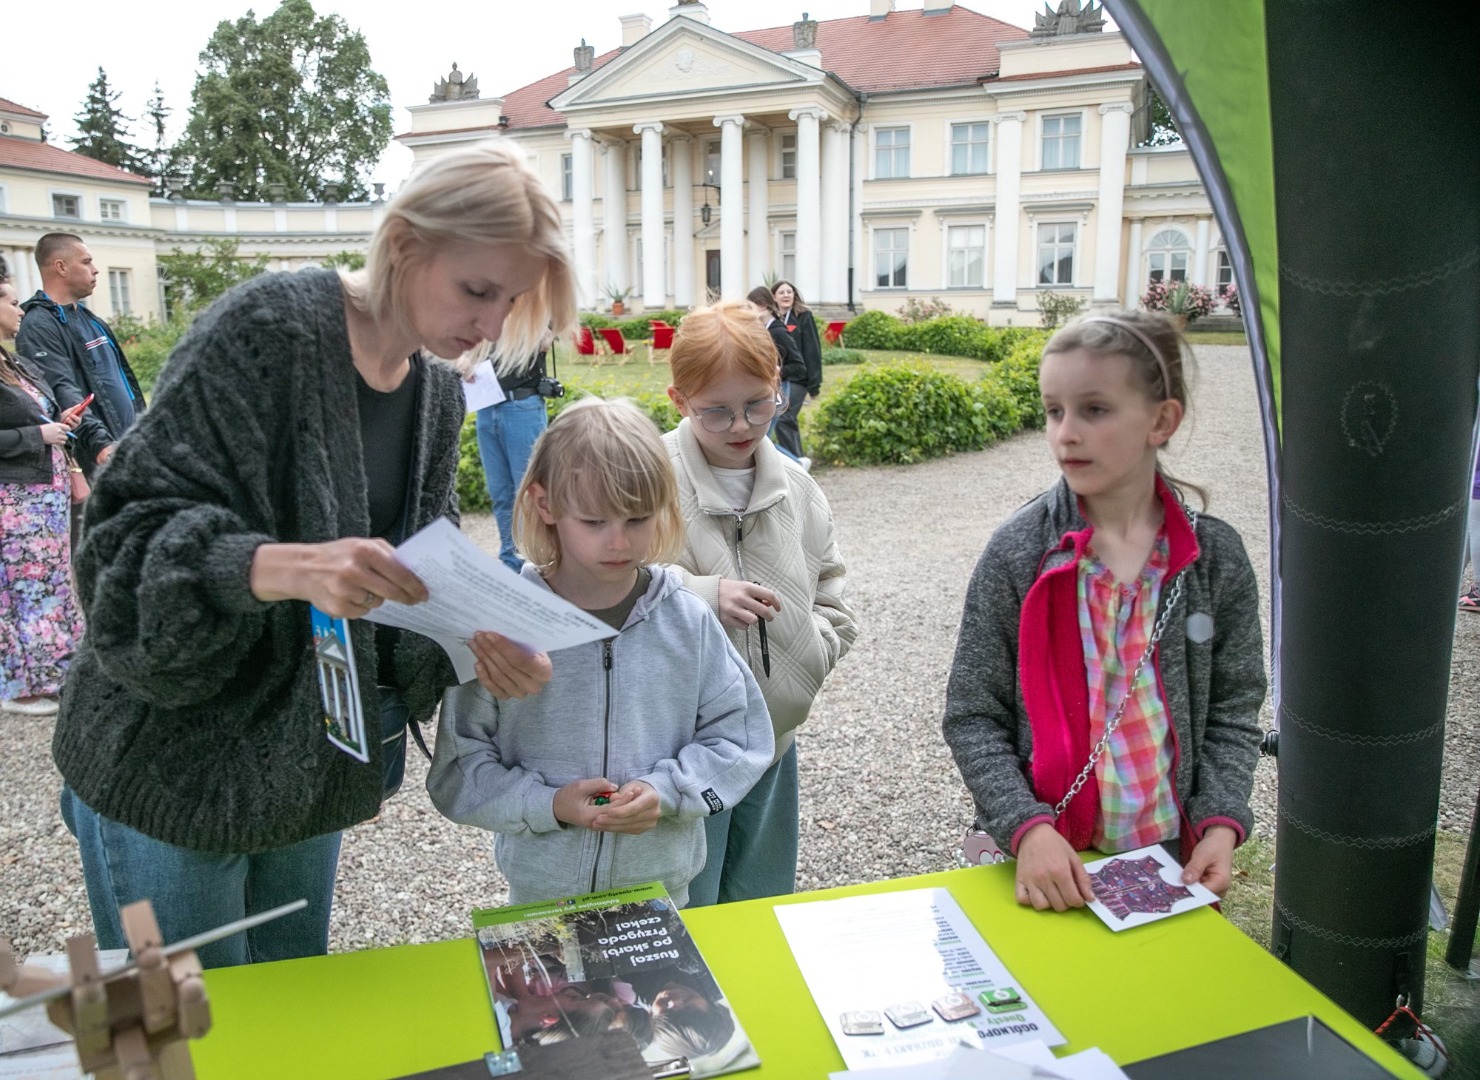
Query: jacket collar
(1066, 517)
(770, 475)
(664, 581)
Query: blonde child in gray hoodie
(605, 777)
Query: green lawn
(1216, 337)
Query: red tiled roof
(6, 105)
(44, 157)
(908, 50)
(1071, 71)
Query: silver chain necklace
(1173, 599)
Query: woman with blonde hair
(302, 427)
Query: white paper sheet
(471, 591)
(483, 390)
(881, 953)
(1142, 886)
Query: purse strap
(1173, 599)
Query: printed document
(471, 591)
(483, 389)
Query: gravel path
(880, 797)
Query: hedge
(950, 335)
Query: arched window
(1168, 255)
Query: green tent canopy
(1340, 147)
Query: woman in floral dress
(40, 621)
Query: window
(966, 256)
(711, 161)
(110, 209)
(891, 257)
(968, 149)
(789, 256)
(119, 292)
(1167, 256)
(1061, 141)
(789, 156)
(891, 153)
(567, 177)
(1056, 254)
(1225, 270)
(66, 206)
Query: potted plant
(1182, 300)
(618, 297)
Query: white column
(809, 201)
(1133, 282)
(732, 278)
(863, 258)
(583, 213)
(833, 275)
(1200, 254)
(759, 258)
(1115, 140)
(1009, 191)
(681, 171)
(614, 213)
(653, 276)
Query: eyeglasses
(757, 413)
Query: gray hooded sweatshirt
(667, 701)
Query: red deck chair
(662, 340)
(585, 343)
(834, 333)
(616, 344)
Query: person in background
(1470, 601)
(799, 321)
(300, 426)
(73, 347)
(40, 621)
(506, 436)
(793, 371)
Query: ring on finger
(369, 599)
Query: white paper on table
(471, 591)
(874, 952)
(1142, 886)
(482, 390)
(962, 1064)
(44, 1065)
(31, 1028)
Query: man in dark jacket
(74, 348)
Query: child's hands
(1049, 873)
(574, 803)
(1212, 860)
(633, 809)
(744, 603)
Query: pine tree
(103, 128)
(161, 159)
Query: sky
(506, 44)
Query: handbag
(395, 719)
(979, 848)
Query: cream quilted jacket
(784, 540)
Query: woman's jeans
(195, 891)
(506, 436)
(788, 434)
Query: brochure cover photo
(614, 961)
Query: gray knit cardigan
(191, 712)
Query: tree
(291, 99)
(1163, 126)
(103, 129)
(161, 159)
(192, 279)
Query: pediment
(680, 58)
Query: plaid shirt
(1137, 806)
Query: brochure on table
(904, 977)
(1142, 886)
(618, 960)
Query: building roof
(18, 153)
(907, 50)
(6, 105)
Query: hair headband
(1145, 339)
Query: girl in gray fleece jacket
(603, 779)
(1109, 669)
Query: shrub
(915, 310)
(472, 488)
(1001, 413)
(954, 335)
(838, 355)
(902, 413)
(1017, 376)
(1182, 298)
(1055, 309)
(148, 348)
(874, 330)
